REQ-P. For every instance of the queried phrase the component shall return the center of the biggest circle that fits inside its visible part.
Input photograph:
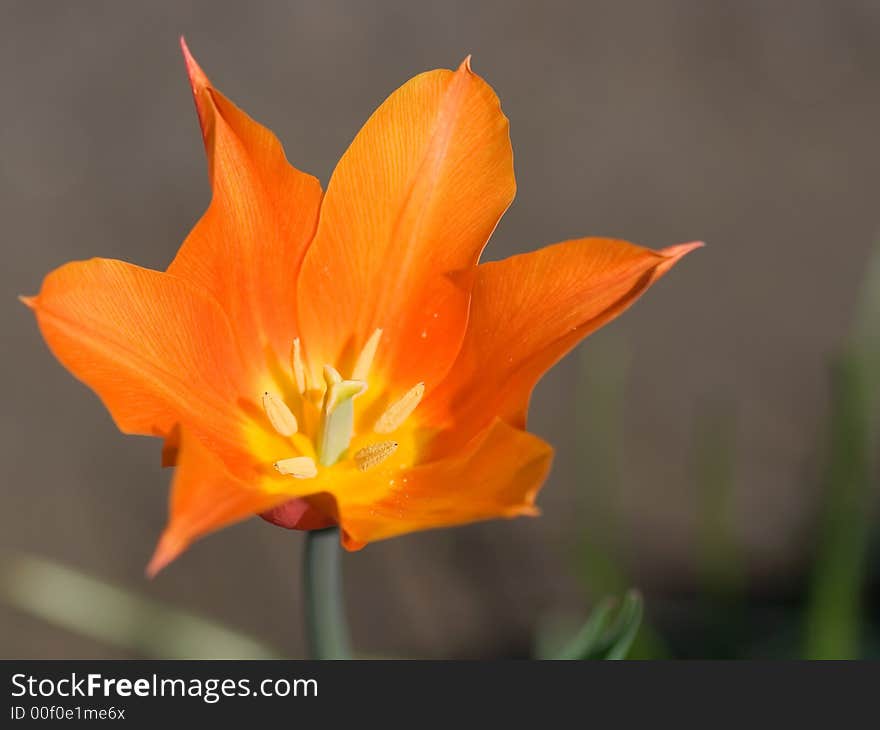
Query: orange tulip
(344, 359)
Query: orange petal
(247, 248)
(497, 474)
(156, 349)
(204, 498)
(527, 312)
(415, 196)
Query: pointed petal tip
(681, 249)
(29, 302)
(197, 78)
(166, 551)
(466, 64)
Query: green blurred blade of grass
(720, 560)
(582, 644)
(94, 608)
(719, 556)
(626, 626)
(608, 632)
(835, 614)
(600, 395)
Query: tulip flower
(342, 357)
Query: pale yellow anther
(300, 467)
(365, 359)
(282, 420)
(374, 454)
(299, 368)
(400, 410)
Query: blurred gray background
(750, 125)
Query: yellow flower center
(319, 420)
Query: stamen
(282, 420)
(374, 454)
(299, 368)
(300, 467)
(400, 410)
(365, 359)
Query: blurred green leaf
(608, 633)
(834, 621)
(626, 626)
(722, 625)
(94, 608)
(721, 566)
(834, 612)
(601, 396)
(583, 643)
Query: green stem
(326, 627)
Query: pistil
(337, 416)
